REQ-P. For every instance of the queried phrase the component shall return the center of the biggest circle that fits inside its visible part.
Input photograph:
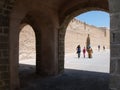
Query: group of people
(88, 50)
(99, 47)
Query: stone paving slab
(96, 76)
(69, 80)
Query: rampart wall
(78, 31)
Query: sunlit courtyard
(99, 63)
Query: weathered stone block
(118, 67)
(1, 31)
(115, 22)
(115, 50)
(4, 61)
(114, 81)
(6, 12)
(5, 53)
(3, 68)
(1, 83)
(4, 38)
(3, 45)
(5, 76)
(4, 20)
(117, 38)
(6, 30)
(113, 66)
(114, 6)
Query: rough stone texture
(77, 33)
(69, 80)
(115, 44)
(4, 46)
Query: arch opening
(77, 33)
(27, 53)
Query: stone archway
(114, 34)
(45, 30)
(14, 48)
(62, 32)
(27, 48)
(67, 15)
(59, 13)
(77, 32)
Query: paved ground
(71, 79)
(99, 63)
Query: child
(84, 51)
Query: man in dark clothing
(78, 50)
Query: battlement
(74, 20)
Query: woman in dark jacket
(78, 50)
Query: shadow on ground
(69, 80)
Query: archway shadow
(70, 80)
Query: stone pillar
(61, 52)
(115, 44)
(4, 46)
(4, 57)
(47, 47)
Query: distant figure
(84, 51)
(88, 42)
(78, 50)
(90, 51)
(98, 47)
(103, 47)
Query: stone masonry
(78, 31)
(5, 7)
(50, 21)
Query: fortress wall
(77, 33)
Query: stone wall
(65, 10)
(115, 45)
(5, 7)
(78, 31)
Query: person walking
(78, 50)
(104, 48)
(90, 51)
(84, 51)
(98, 47)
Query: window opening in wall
(94, 24)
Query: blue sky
(96, 18)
